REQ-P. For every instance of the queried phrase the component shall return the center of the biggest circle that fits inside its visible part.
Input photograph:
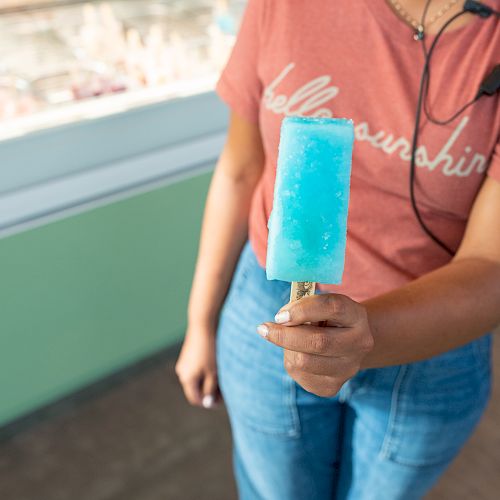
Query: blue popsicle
(308, 223)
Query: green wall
(85, 296)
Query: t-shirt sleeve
(239, 85)
(494, 167)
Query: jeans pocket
(270, 410)
(256, 390)
(435, 406)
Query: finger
(298, 362)
(209, 399)
(325, 387)
(324, 341)
(192, 390)
(336, 309)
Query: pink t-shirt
(358, 60)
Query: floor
(134, 438)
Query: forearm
(438, 312)
(224, 232)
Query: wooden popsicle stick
(301, 289)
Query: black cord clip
(478, 8)
(491, 84)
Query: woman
(377, 403)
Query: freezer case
(107, 119)
(101, 99)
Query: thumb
(209, 390)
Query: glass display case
(102, 100)
(62, 61)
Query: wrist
(203, 310)
(202, 322)
(367, 360)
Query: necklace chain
(417, 25)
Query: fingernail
(263, 330)
(282, 317)
(208, 401)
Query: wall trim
(41, 204)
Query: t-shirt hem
(260, 259)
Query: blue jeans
(387, 435)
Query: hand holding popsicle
(325, 337)
(321, 358)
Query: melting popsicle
(308, 223)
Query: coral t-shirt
(358, 60)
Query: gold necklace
(417, 25)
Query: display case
(64, 61)
(104, 108)
(109, 95)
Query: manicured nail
(263, 330)
(208, 401)
(282, 317)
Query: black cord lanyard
(469, 6)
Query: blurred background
(109, 129)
